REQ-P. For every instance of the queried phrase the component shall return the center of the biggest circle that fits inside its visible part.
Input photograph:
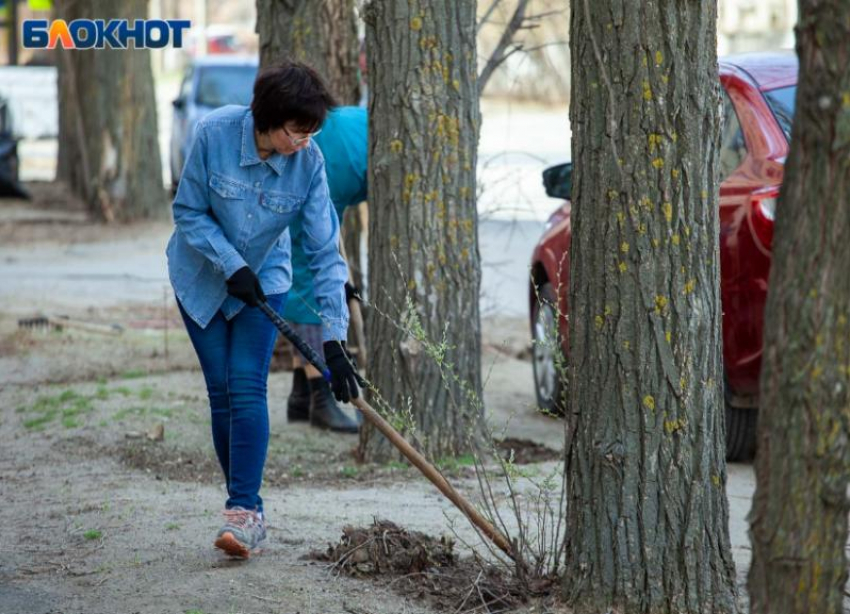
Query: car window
(733, 149)
(781, 102)
(221, 85)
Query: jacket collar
(249, 147)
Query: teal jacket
(343, 142)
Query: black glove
(352, 293)
(245, 286)
(344, 376)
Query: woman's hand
(245, 286)
(344, 376)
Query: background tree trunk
(321, 33)
(355, 240)
(108, 136)
(423, 230)
(647, 516)
(799, 518)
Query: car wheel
(741, 423)
(548, 360)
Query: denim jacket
(233, 209)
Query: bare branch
(487, 14)
(539, 16)
(544, 45)
(498, 56)
(516, 47)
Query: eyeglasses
(301, 140)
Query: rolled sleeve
(192, 213)
(320, 242)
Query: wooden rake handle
(434, 476)
(409, 452)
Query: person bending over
(253, 172)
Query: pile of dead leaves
(385, 548)
(428, 568)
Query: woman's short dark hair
(290, 91)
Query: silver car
(210, 82)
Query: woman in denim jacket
(251, 173)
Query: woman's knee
(218, 391)
(247, 386)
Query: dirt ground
(102, 517)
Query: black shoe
(298, 403)
(324, 411)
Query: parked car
(210, 82)
(9, 163)
(758, 92)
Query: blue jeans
(235, 357)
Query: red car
(758, 107)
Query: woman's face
(289, 139)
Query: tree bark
(108, 136)
(424, 265)
(647, 514)
(799, 518)
(321, 33)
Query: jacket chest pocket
(228, 188)
(281, 202)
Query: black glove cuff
(352, 293)
(334, 349)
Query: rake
(419, 461)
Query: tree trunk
(355, 231)
(424, 265)
(108, 136)
(647, 514)
(321, 33)
(799, 517)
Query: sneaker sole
(232, 546)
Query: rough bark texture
(423, 231)
(799, 517)
(647, 512)
(321, 33)
(108, 138)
